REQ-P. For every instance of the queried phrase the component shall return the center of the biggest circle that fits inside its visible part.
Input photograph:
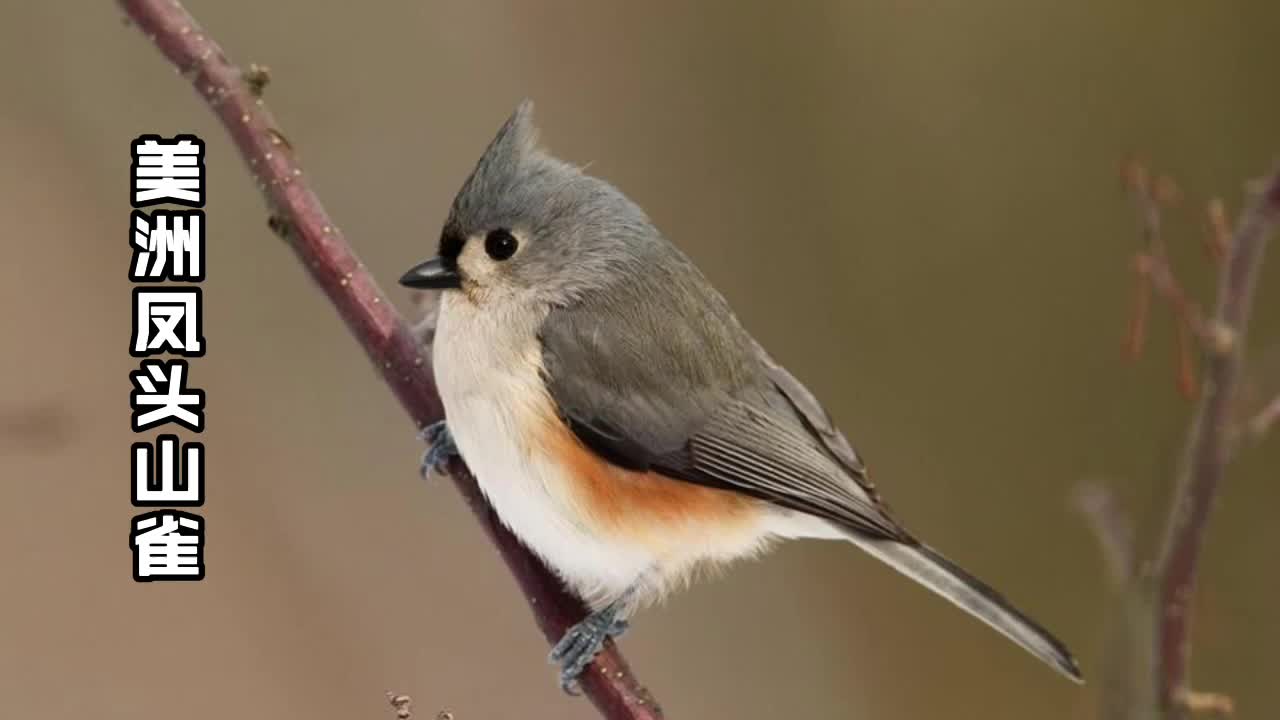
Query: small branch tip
(256, 78)
(1206, 703)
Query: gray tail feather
(924, 565)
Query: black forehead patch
(451, 242)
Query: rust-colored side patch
(645, 507)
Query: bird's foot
(582, 642)
(440, 448)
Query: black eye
(500, 244)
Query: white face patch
(483, 276)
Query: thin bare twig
(298, 216)
(402, 704)
(1208, 446)
(1268, 416)
(1203, 703)
(1112, 528)
(1154, 271)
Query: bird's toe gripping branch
(582, 642)
(440, 448)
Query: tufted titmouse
(618, 417)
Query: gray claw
(582, 642)
(440, 448)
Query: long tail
(924, 565)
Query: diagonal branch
(1208, 447)
(298, 216)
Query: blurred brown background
(915, 207)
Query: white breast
(487, 365)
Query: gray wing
(678, 387)
(815, 417)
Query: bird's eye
(500, 244)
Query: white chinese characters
(167, 545)
(167, 320)
(168, 245)
(168, 170)
(157, 482)
(168, 256)
(161, 386)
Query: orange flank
(646, 507)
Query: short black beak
(434, 274)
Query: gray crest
(509, 158)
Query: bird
(619, 418)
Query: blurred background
(914, 205)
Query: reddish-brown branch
(1208, 447)
(373, 321)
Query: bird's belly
(523, 488)
(494, 402)
(601, 528)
